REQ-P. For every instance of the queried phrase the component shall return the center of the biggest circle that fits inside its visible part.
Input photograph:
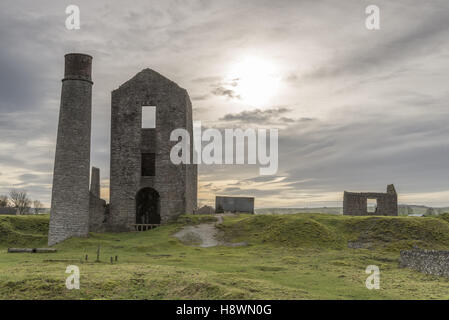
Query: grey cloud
(253, 192)
(17, 90)
(285, 119)
(207, 185)
(28, 177)
(231, 189)
(207, 79)
(411, 40)
(304, 119)
(358, 156)
(221, 91)
(400, 139)
(200, 97)
(261, 179)
(256, 115)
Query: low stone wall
(427, 261)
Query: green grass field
(299, 256)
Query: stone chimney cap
(78, 66)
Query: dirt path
(203, 235)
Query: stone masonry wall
(97, 210)
(176, 184)
(97, 206)
(426, 261)
(355, 203)
(95, 182)
(234, 204)
(70, 195)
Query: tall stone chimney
(69, 215)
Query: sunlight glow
(254, 81)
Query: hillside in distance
(404, 210)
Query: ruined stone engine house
(146, 188)
(356, 203)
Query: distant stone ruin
(234, 204)
(356, 203)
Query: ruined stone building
(356, 203)
(234, 204)
(146, 188)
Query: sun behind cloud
(254, 80)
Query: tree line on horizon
(20, 200)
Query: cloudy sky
(356, 109)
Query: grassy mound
(30, 231)
(292, 230)
(444, 216)
(398, 232)
(298, 256)
(297, 230)
(332, 232)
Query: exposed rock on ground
(204, 235)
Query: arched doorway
(148, 207)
